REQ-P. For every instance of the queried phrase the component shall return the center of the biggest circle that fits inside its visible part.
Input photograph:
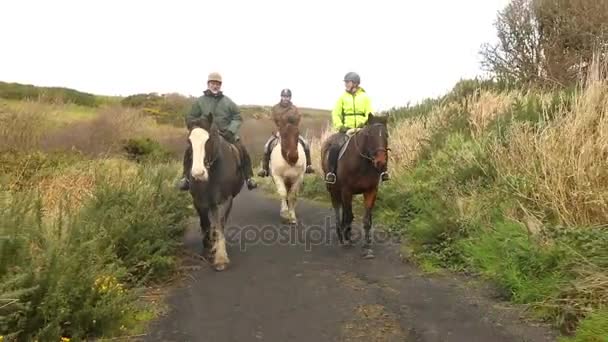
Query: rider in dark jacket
(280, 113)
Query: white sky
(403, 50)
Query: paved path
(316, 291)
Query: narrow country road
(284, 289)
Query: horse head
(204, 139)
(289, 133)
(375, 147)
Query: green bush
(145, 149)
(77, 274)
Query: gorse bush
(142, 149)
(165, 109)
(76, 271)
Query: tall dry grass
(23, 128)
(39, 126)
(563, 166)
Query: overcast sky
(403, 50)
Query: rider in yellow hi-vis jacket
(351, 111)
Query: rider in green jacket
(227, 116)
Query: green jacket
(226, 114)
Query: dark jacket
(226, 114)
(280, 113)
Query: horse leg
(336, 203)
(369, 199)
(218, 218)
(347, 216)
(203, 214)
(292, 199)
(282, 191)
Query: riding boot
(265, 165)
(184, 183)
(246, 166)
(266, 159)
(309, 168)
(331, 176)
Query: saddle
(236, 152)
(344, 145)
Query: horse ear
(370, 118)
(381, 119)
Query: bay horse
(216, 179)
(287, 166)
(359, 170)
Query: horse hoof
(221, 267)
(368, 254)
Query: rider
(227, 116)
(280, 112)
(351, 111)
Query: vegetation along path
(297, 284)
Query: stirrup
(251, 184)
(330, 178)
(384, 176)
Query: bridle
(365, 132)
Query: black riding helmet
(286, 92)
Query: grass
(510, 186)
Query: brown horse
(359, 171)
(216, 179)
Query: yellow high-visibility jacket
(351, 110)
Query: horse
(287, 166)
(216, 179)
(363, 158)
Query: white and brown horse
(287, 167)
